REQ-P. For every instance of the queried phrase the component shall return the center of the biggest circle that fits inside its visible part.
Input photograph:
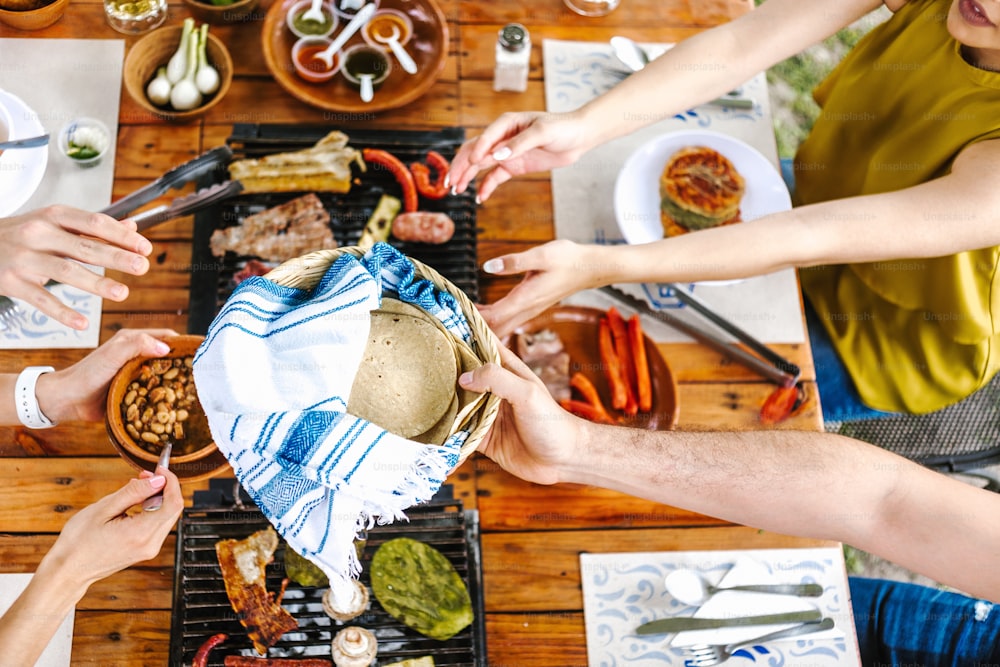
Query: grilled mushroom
(357, 605)
(354, 647)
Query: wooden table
(531, 535)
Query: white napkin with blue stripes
(274, 375)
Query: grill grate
(201, 607)
(456, 260)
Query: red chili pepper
(201, 657)
(780, 405)
(399, 172)
(422, 176)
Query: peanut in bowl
(153, 401)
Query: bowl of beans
(153, 401)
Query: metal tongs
(175, 179)
(765, 362)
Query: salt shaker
(513, 53)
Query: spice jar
(513, 52)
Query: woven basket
(306, 271)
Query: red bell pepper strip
(622, 348)
(399, 172)
(643, 382)
(612, 365)
(201, 657)
(422, 176)
(582, 384)
(780, 405)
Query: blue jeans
(907, 624)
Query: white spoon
(405, 61)
(690, 587)
(314, 13)
(367, 89)
(361, 18)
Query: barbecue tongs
(768, 364)
(176, 178)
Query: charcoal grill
(201, 607)
(456, 260)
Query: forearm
(30, 623)
(807, 484)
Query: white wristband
(25, 399)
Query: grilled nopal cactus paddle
(417, 585)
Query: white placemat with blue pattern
(274, 376)
(767, 306)
(624, 590)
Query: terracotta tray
(428, 47)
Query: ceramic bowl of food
(153, 51)
(31, 14)
(240, 11)
(153, 401)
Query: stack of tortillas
(408, 379)
(407, 382)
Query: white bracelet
(24, 397)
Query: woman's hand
(553, 272)
(103, 538)
(79, 392)
(532, 436)
(41, 245)
(515, 144)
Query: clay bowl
(241, 11)
(196, 447)
(34, 19)
(153, 51)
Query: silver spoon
(690, 587)
(29, 142)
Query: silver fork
(11, 317)
(705, 655)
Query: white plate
(21, 170)
(637, 190)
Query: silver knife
(30, 142)
(775, 367)
(682, 623)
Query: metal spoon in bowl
(361, 18)
(155, 501)
(690, 587)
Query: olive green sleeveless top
(915, 334)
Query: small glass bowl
(379, 74)
(300, 8)
(397, 17)
(302, 49)
(347, 13)
(93, 129)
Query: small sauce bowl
(85, 141)
(381, 24)
(310, 68)
(360, 61)
(303, 28)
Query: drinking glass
(135, 16)
(592, 7)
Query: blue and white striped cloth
(274, 375)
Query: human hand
(82, 555)
(38, 246)
(532, 437)
(79, 392)
(553, 271)
(515, 144)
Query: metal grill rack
(201, 607)
(456, 260)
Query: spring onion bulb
(178, 63)
(158, 90)
(185, 94)
(207, 77)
